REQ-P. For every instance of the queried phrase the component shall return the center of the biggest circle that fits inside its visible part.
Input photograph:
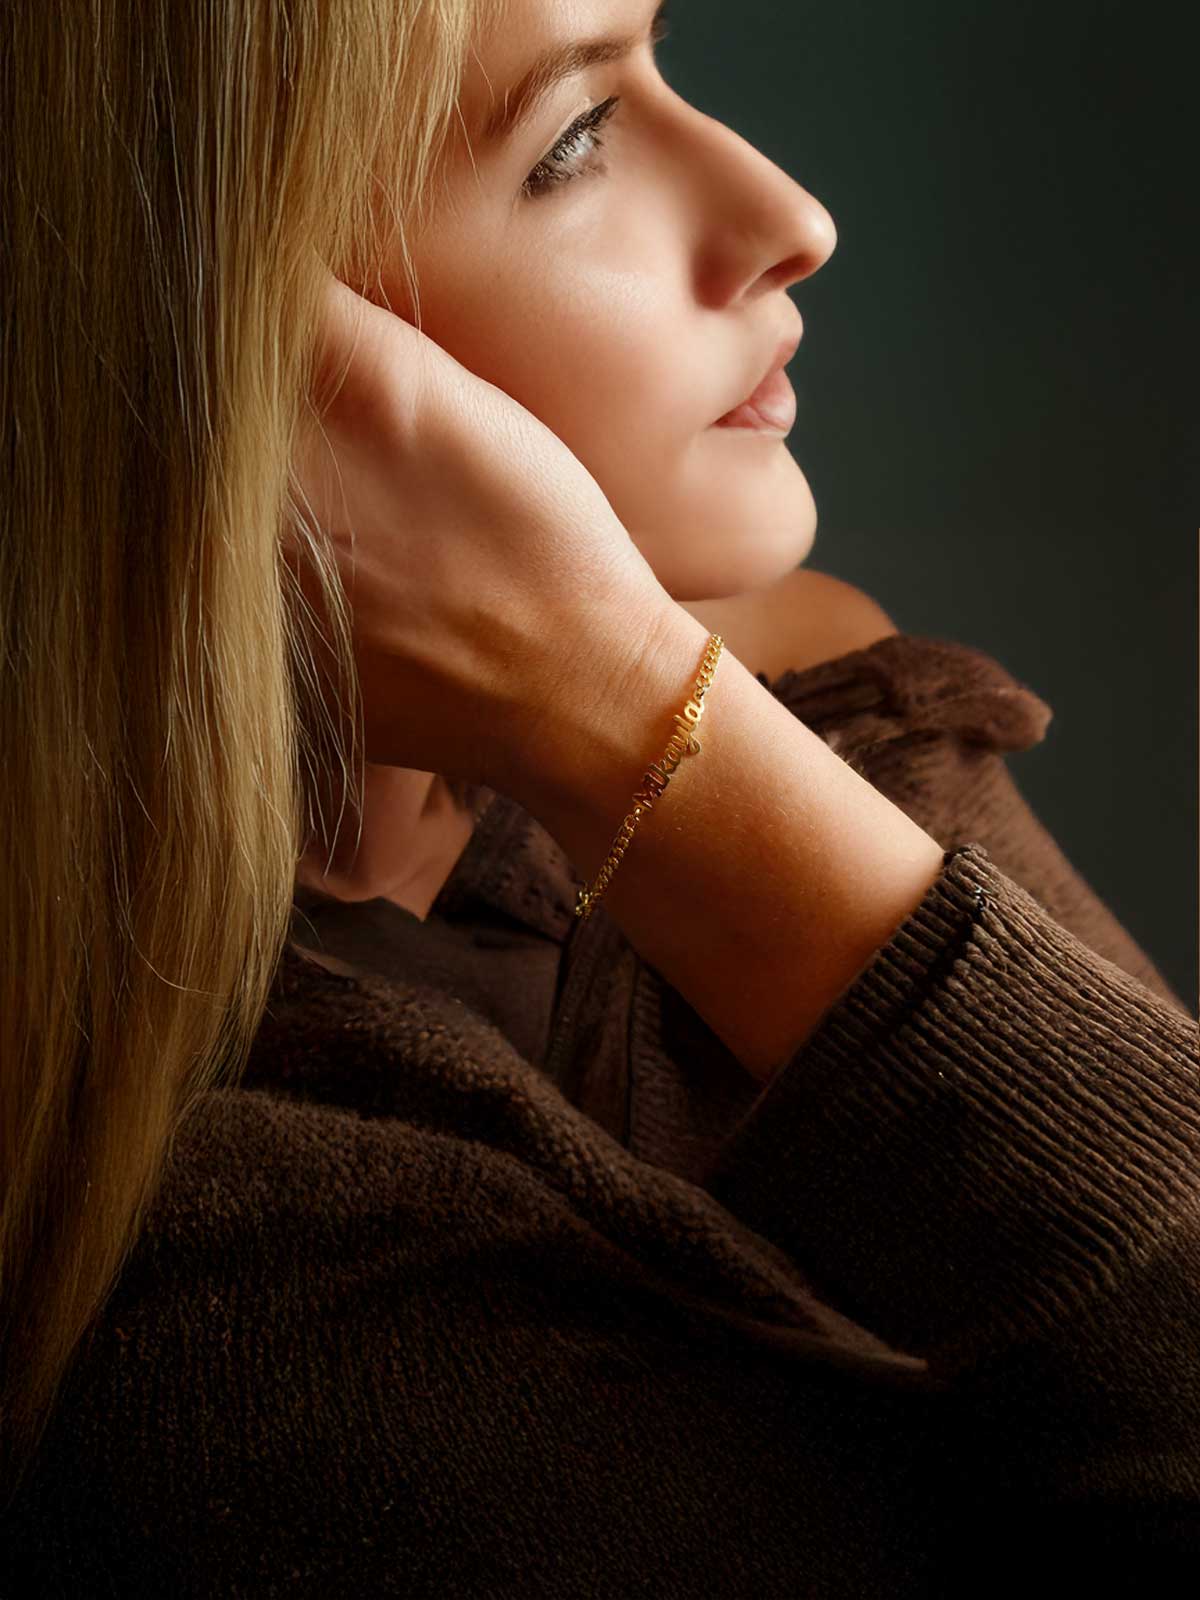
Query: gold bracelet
(683, 742)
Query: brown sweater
(498, 1276)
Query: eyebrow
(521, 102)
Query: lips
(772, 403)
(771, 408)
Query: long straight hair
(176, 183)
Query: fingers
(343, 324)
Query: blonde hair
(176, 183)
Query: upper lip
(784, 352)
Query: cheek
(546, 352)
(606, 371)
(615, 375)
(600, 381)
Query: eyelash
(550, 173)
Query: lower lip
(770, 409)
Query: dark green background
(996, 406)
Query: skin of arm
(766, 876)
(413, 832)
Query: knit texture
(526, 1288)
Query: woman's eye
(562, 163)
(559, 165)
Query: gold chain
(657, 776)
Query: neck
(413, 830)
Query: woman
(334, 1279)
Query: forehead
(513, 37)
(509, 32)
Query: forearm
(767, 875)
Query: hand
(488, 576)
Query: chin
(722, 559)
(732, 533)
(710, 532)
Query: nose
(759, 230)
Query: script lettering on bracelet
(683, 742)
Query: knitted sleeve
(989, 1155)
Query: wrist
(769, 873)
(612, 715)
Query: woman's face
(636, 300)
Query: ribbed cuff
(986, 1130)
